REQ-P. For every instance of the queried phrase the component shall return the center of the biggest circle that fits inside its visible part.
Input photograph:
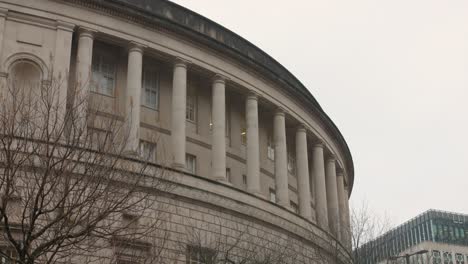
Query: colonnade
(331, 194)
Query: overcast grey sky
(392, 74)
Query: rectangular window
(228, 175)
(272, 195)
(191, 107)
(103, 73)
(191, 163)
(271, 148)
(130, 221)
(148, 150)
(291, 164)
(244, 180)
(10, 256)
(99, 139)
(294, 207)
(150, 87)
(200, 255)
(243, 136)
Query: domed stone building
(246, 141)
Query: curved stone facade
(248, 144)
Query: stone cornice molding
(3, 12)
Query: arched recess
(25, 77)
(27, 65)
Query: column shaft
(341, 205)
(253, 154)
(281, 162)
(133, 97)
(179, 100)
(318, 171)
(61, 66)
(303, 184)
(83, 77)
(3, 70)
(218, 152)
(347, 218)
(332, 197)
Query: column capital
(280, 111)
(331, 158)
(86, 32)
(134, 46)
(318, 144)
(302, 128)
(65, 26)
(181, 62)
(219, 78)
(252, 95)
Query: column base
(256, 193)
(285, 205)
(131, 153)
(223, 181)
(178, 166)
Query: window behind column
(191, 108)
(228, 175)
(272, 195)
(291, 164)
(150, 87)
(148, 150)
(191, 163)
(294, 207)
(104, 68)
(271, 148)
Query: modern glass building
(428, 231)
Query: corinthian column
(332, 197)
(253, 154)
(179, 100)
(281, 162)
(83, 77)
(133, 96)
(303, 184)
(341, 205)
(218, 152)
(318, 172)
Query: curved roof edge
(180, 19)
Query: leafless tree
(68, 190)
(366, 226)
(217, 243)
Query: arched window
(25, 74)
